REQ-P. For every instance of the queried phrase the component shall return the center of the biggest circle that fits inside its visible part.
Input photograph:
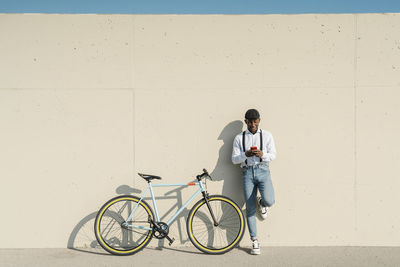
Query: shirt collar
(248, 132)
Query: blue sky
(199, 6)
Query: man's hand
(255, 152)
(249, 153)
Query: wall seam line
(132, 81)
(355, 124)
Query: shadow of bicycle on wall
(82, 237)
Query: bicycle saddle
(149, 177)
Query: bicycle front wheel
(119, 236)
(213, 239)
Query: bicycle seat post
(154, 201)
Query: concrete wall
(86, 101)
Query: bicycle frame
(150, 188)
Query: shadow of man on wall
(82, 237)
(225, 170)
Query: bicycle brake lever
(206, 173)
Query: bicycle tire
(212, 239)
(119, 240)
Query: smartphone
(253, 148)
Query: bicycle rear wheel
(213, 239)
(116, 238)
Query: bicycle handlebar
(205, 173)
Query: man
(253, 149)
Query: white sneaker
(256, 248)
(261, 209)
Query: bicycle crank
(161, 231)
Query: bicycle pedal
(171, 240)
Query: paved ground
(271, 256)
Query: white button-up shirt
(269, 151)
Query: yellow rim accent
(101, 215)
(234, 242)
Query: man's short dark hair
(252, 114)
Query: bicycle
(125, 224)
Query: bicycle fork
(205, 196)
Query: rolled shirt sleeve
(270, 153)
(238, 156)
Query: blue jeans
(253, 178)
